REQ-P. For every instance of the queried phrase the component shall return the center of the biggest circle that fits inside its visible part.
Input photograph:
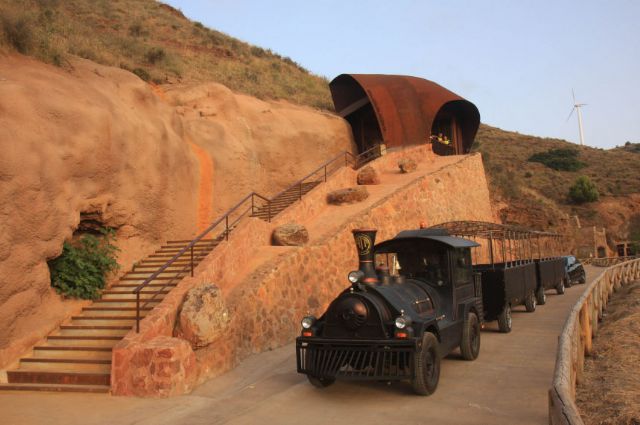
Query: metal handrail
(349, 158)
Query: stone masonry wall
(265, 310)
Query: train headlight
(355, 276)
(307, 322)
(401, 322)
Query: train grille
(355, 362)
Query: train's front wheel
(427, 366)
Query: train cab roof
(436, 235)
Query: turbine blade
(574, 96)
(570, 113)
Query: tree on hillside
(583, 190)
(559, 159)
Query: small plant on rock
(81, 270)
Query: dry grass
(610, 393)
(615, 172)
(156, 42)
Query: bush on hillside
(81, 270)
(583, 190)
(559, 159)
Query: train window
(462, 265)
(389, 261)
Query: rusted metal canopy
(405, 107)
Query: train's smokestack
(365, 240)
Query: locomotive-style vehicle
(396, 321)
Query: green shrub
(583, 190)
(559, 159)
(81, 270)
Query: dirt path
(507, 385)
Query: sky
(517, 61)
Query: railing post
(226, 226)
(300, 192)
(252, 206)
(325, 173)
(192, 261)
(137, 311)
(269, 212)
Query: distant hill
(156, 42)
(537, 195)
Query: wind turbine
(576, 107)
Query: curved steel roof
(405, 106)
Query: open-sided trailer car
(516, 266)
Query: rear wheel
(541, 297)
(530, 302)
(427, 366)
(320, 382)
(470, 345)
(504, 319)
(560, 287)
(583, 279)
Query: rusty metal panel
(405, 106)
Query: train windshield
(427, 265)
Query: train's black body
(551, 275)
(396, 322)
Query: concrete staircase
(280, 202)
(77, 356)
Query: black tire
(531, 302)
(541, 297)
(583, 279)
(504, 319)
(320, 382)
(427, 366)
(470, 345)
(568, 283)
(560, 287)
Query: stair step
(103, 331)
(183, 242)
(66, 352)
(116, 308)
(83, 341)
(33, 364)
(74, 378)
(106, 320)
(56, 388)
(129, 277)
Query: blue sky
(516, 60)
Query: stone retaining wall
(266, 308)
(575, 341)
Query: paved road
(507, 384)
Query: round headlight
(401, 322)
(307, 322)
(355, 276)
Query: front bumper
(388, 359)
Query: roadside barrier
(575, 341)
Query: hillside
(156, 42)
(537, 195)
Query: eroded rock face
(407, 165)
(164, 366)
(203, 316)
(349, 195)
(290, 234)
(368, 175)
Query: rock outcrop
(407, 165)
(349, 195)
(368, 175)
(203, 316)
(290, 234)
